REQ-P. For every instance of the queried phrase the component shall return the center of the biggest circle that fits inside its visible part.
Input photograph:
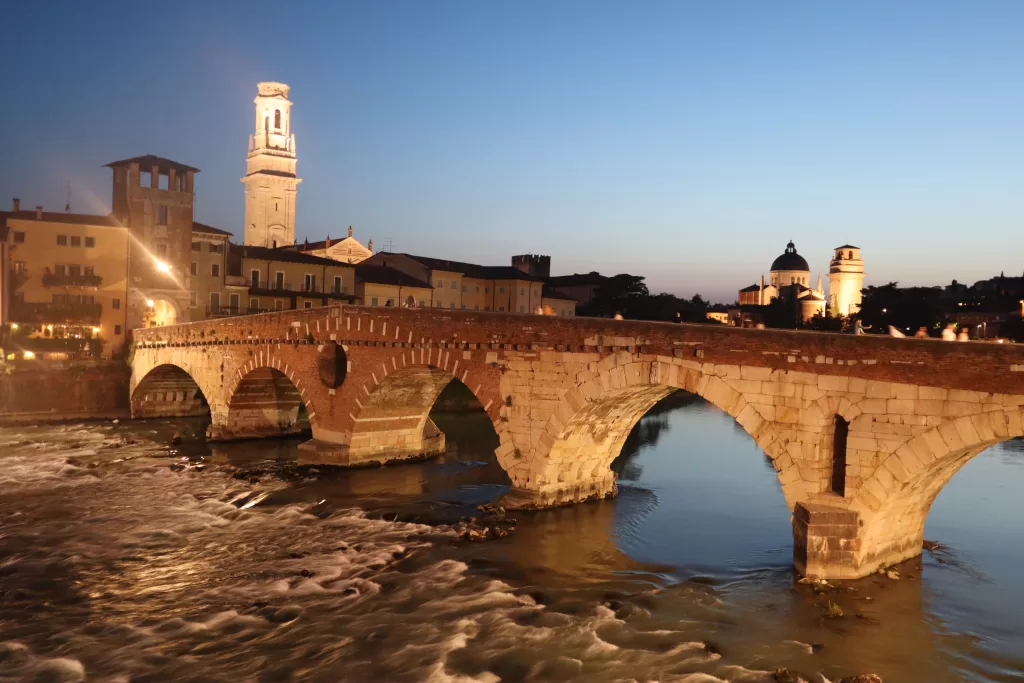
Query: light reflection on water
(135, 568)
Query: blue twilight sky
(684, 141)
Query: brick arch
(169, 390)
(393, 406)
(572, 459)
(263, 398)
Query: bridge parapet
(861, 429)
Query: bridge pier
(373, 448)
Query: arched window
(849, 255)
(277, 119)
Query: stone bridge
(863, 431)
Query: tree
(616, 295)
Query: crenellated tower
(270, 178)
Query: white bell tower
(270, 180)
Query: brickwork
(564, 394)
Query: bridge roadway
(864, 431)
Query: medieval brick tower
(270, 180)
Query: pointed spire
(350, 231)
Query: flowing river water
(123, 558)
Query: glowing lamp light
(14, 326)
(95, 330)
(28, 355)
(163, 267)
(150, 303)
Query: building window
(216, 248)
(501, 290)
(463, 306)
(115, 304)
(487, 290)
(451, 306)
(477, 290)
(161, 250)
(193, 299)
(373, 301)
(278, 304)
(117, 330)
(89, 270)
(215, 302)
(437, 304)
(60, 269)
(62, 240)
(145, 179)
(76, 241)
(75, 270)
(307, 304)
(161, 214)
(389, 303)
(421, 303)
(522, 309)
(337, 284)
(522, 291)
(277, 119)
(193, 268)
(254, 305)
(90, 242)
(279, 279)
(310, 282)
(464, 289)
(454, 284)
(215, 270)
(19, 238)
(440, 283)
(197, 246)
(501, 309)
(255, 278)
(233, 302)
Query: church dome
(790, 260)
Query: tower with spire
(270, 178)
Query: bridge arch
(573, 456)
(265, 400)
(895, 501)
(168, 390)
(392, 418)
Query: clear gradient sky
(684, 141)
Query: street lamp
(150, 303)
(163, 267)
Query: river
(124, 558)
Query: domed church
(790, 276)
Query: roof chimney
(350, 231)
(39, 213)
(327, 243)
(370, 246)
(17, 204)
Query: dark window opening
(19, 237)
(842, 430)
(277, 119)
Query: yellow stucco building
(70, 272)
(463, 286)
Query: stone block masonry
(563, 395)
(44, 391)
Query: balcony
(28, 312)
(71, 280)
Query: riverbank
(33, 391)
